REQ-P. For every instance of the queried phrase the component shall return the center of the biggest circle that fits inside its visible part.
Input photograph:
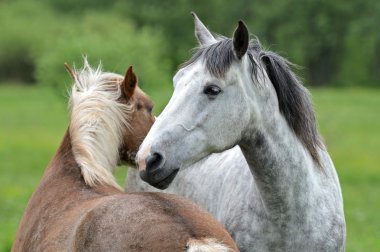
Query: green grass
(33, 121)
(350, 123)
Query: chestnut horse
(78, 205)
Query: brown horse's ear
(70, 71)
(129, 83)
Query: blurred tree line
(336, 42)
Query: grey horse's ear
(241, 40)
(202, 34)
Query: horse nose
(154, 162)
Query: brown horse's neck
(64, 169)
(60, 193)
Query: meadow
(33, 119)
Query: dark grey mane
(294, 99)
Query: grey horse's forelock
(294, 99)
(219, 56)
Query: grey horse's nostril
(153, 161)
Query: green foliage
(361, 61)
(78, 7)
(117, 48)
(335, 41)
(20, 42)
(45, 39)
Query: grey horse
(239, 138)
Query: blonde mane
(97, 123)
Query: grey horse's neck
(282, 168)
(302, 203)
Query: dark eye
(150, 109)
(212, 90)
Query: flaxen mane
(96, 122)
(294, 100)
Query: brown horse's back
(147, 222)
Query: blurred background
(337, 43)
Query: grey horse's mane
(294, 99)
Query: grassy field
(33, 121)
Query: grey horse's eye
(212, 90)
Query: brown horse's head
(140, 119)
(110, 117)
